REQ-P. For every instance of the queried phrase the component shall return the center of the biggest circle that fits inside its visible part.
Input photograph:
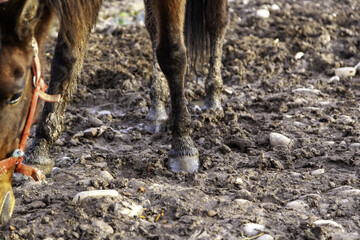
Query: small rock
(334, 79)
(307, 91)
(239, 181)
(277, 139)
(298, 55)
(275, 7)
(297, 205)
(354, 145)
(265, 237)
(95, 122)
(105, 175)
(90, 132)
(128, 209)
(252, 229)
(262, 13)
(318, 172)
(333, 224)
(102, 229)
(94, 194)
(345, 72)
(211, 213)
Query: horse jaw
(7, 199)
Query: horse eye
(15, 98)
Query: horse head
(18, 20)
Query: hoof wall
(188, 164)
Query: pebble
(95, 122)
(344, 119)
(251, 229)
(265, 237)
(90, 132)
(318, 172)
(211, 213)
(128, 209)
(239, 181)
(297, 205)
(94, 194)
(105, 175)
(320, 223)
(298, 55)
(334, 79)
(345, 72)
(275, 7)
(102, 228)
(262, 13)
(277, 139)
(354, 145)
(307, 91)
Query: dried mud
(243, 179)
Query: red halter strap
(39, 92)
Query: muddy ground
(246, 188)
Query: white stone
(277, 139)
(331, 223)
(334, 79)
(297, 205)
(351, 192)
(265, 237)
(345, 72)
(128, 209)
(239, 181)
(94, 194)
(262, 13)
(318, 172)
(298, 55)
(251, 229)
(106, 175)
(275, 7)
(295, 174)
(354, 145)
(307, 91)
(102, 229)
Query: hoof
(156, 120)
(212, 103)
(7, 207)
(39, 157)
(155, 127)
(187, 163)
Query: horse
(23, 28)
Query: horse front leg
(159, 92)
(65, 66)
(171, 55)
(216, 22)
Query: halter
(39, 92)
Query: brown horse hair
(73, 16)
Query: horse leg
(216, 22)
(171, 54)
(159, 92)
(65, 67)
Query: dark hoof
(7, 207)
(187, 163)
(39, 157)
(212, 103)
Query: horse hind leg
(216, 22)
(171, 55)
(159, 93)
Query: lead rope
(39, 92)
